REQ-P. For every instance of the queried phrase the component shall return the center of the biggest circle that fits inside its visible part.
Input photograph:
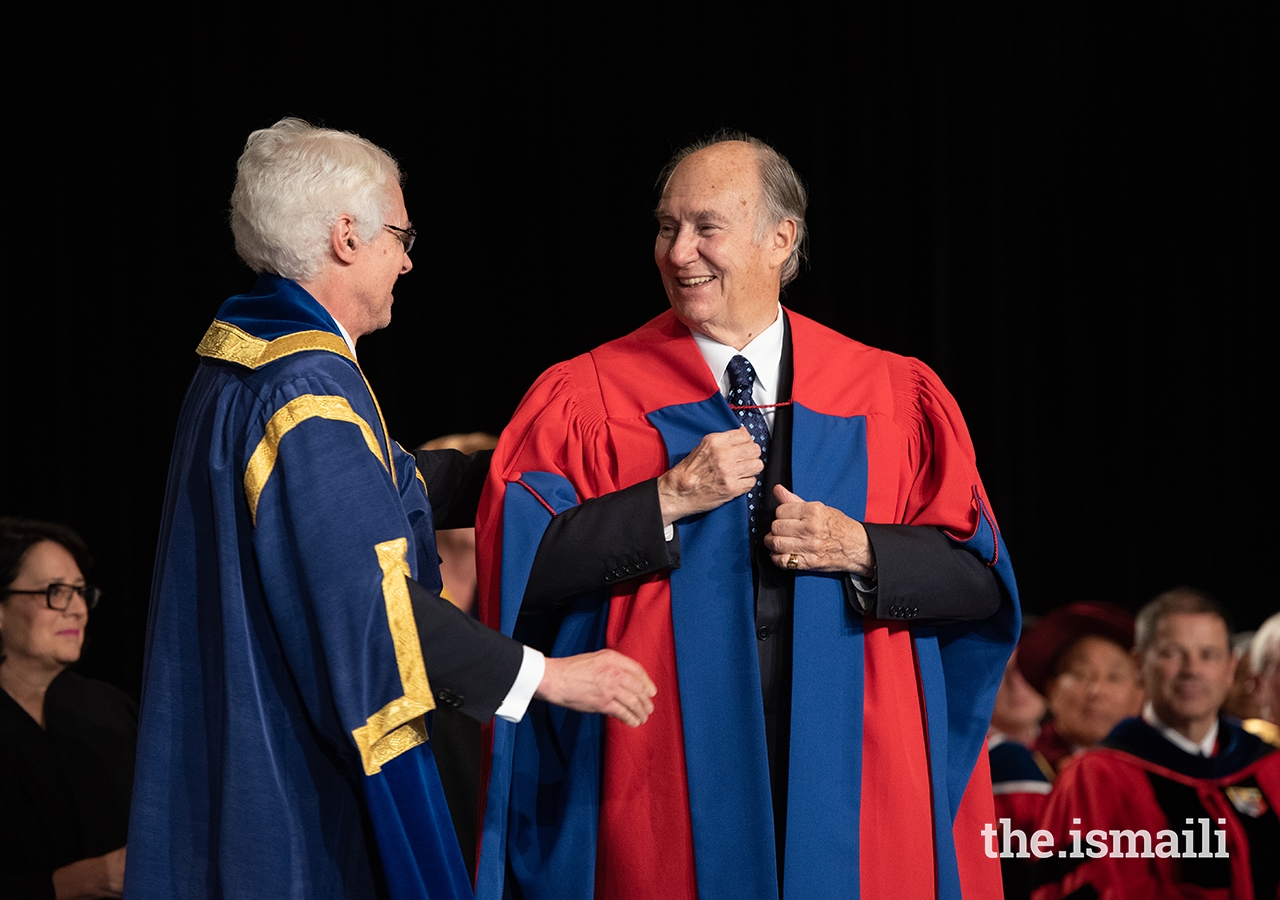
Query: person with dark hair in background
(787, 528)
(1196, 792)
(1019, 709)
(1077, 656)
(66, 742)
(1020, 785)
(297, 638)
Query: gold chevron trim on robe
(399, 725)
(227, 342)
(298, 410)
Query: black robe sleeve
(923, 574)
(471, 668)
(454, 481)
(599, 543)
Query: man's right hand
(601, 682)
(723, 466)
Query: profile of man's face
(383, 260)
(1187, 668)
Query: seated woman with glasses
(66, 742)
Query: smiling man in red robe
(788, 530)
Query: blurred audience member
(1019, 709)
(1264, 663)
(1077, 656)
(1242, 699)
(66, 742)
(1019, 786)
(457, 546)
(1182, 801)
(455, 737)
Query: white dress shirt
(765, 355)
(1185, 744)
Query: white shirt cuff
(527, 680)
(668, 532)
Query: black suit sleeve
(923, 574)
(599, 543)
(471, 668)
(454, 481)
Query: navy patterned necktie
(742, 401)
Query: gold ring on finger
(793, 562)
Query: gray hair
(1266, 645)
(1179, 600)
(293, 181)
(781, 190)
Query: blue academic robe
(282, 749)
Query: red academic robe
(1139, 782)
(888, 785)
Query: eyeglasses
(58, 596)
(406, 235)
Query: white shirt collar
(346, 337)
(765, 355)
(1204, 748)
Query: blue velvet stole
(275, 307)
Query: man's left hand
(815, 537)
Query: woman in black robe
(66, 742)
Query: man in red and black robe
(1180, 802)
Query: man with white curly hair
(297, 638)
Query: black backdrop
(1060, 208)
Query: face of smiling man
(1187, 671)
(720, 267)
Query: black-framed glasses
(406, 235)
(58, 596)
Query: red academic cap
(1045, 642)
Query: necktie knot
(742, 379)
